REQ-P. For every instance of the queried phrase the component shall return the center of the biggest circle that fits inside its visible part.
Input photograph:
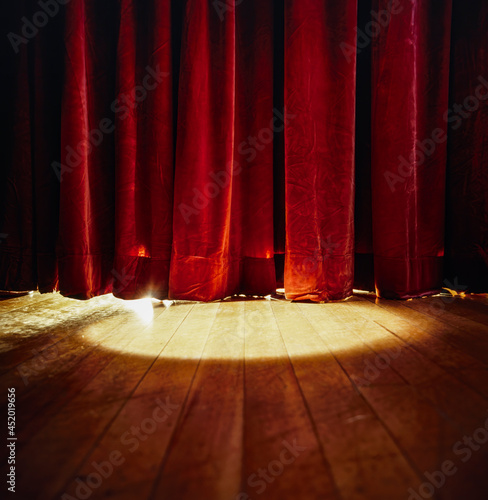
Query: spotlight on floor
(143, 308)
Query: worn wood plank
(463, 409)
(69, 365)
(467, 339)
(468, 306)
(464, 367)
(440, 308)
(366, 463)
(416, 426)
(204, 457)
(155, 408)
(79, 423)
(277, 420)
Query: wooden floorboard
(277, 420)
(411, 422)
(52, 379)
(165, 385)
(211, 421)
(463, 410)
(31, 330)
(445, 311)
(99, 402)
(246, 399)
(467, 336)
(365, 461)
(434, 346)
(468, 307)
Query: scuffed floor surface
(245, 399)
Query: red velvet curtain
(320, 84)
(410, 79)
(200, 148)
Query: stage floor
(244, 399)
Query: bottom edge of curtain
(204, 279)
(139, 277)
(319, 278)
(407, 278)
(21, 270)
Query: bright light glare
(143, 308)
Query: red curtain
(410, 79)
(197, 149)
(320, 84)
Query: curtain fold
(320, 89)
(187, 149)
(409, 140)
(144, 150)
(30, 140)
(17, 243)
(203, 263)
(223, 217)
(86, 172)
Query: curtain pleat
(87, 166)
(203, 261)
(223, 218)
(320, 89)
(144, 151)
(17, 245)
(410, 64)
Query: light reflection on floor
(147, 319)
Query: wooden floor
(247, 399)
